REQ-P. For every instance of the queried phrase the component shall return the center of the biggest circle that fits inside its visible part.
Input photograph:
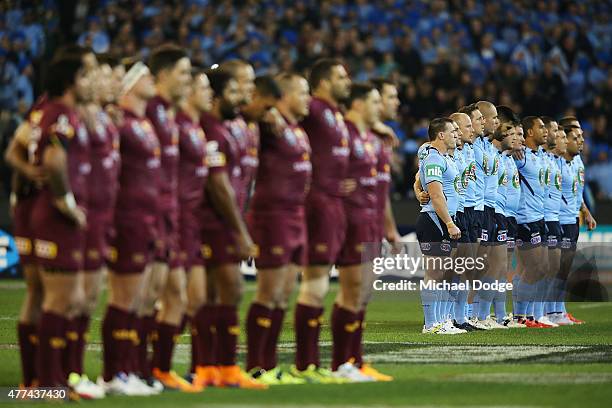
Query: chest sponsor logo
(558, 181)
(329, 117)
(541, 177)
(581, 176)
(516, 181)
(434, 170)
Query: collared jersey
(440, 168)
(531, 170)
(569, 191)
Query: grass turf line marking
(536, 378)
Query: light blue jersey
(531, 203)
(552, 203)
(579, 169)
(569, 189)
(513, 195)
(459, 163)
(422, 152)
(492, 180)
(470, 175)
(547, 175)
(483, 169)
(503, 183)
(436, 167)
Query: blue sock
(460, 306)
(486, 300)
(469, 310)
(525, 292)
(475, 305)
(538, 304)
(427, 301)
(515, 291)
(530, 307)
(499, 304)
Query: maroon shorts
(133, 244)
(190, 240)
(218, 246)
(361, 237)
(280, 237)
(22, 230)
(99, 231)
(167, 241)
(326, 224)
(58, 243)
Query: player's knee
(315, 289)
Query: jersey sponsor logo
(552, 241)
(445, 247)
(503, 179)
(434, 170)
(516, 180)
(458, 184)
(485, 165)
(302, 166)
(196, 136)
(340, 151)
(63, 127)
(161, 114)
(558, 181)
(484, 235)
(575, 186)
(153, 163)
(502, 236)
(329, 118)
(45, 249)
(541, 177)
(358, 148)
(171, 151)
(495, 165)
(547, 177)
(425, 246)
(581, 176)
(24, 245)
(536, 238)
(290, 137)
(216, 159)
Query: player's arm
(391, 233)
(421, 195)
(16, 154)
(223, 199)
(386, 133)
(55, 165)
(438, 202)
(588, 217)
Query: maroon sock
(343, 325)
(116, 341)
(52, 342)
(28, 339)
(163, 347)
(227, 332)
(357, 342)
(270, 358)
(205, 323)
(145, 335)
(82, 328)
(195, 345)
(307, 329)
(71, 351)
(259, 321)
(133, 364)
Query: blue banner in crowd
(9, 258)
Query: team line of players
(169, 177)
(490, 183)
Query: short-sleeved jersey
(438, 168)
(484, 166)
(383, 175)
(105, 163)
(569, 192)
(192, 166)
(223, 155)
(140, 174)
(531, 171)
(23, 187)
(468, 178)
(284, 172)
(492, 179)
(61, 126)
(329, 141)
(239, 130)
(466, 175)
(503, 185)
(160, 114)
(579, 169)
(250, 160)
(552, 202)
(362, 168)
(513, 193)
(422, 152)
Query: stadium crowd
(550, 54)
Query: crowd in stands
(552, 57)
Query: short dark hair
(528, 122)
(218, 79)
(468, 110)
(284, 79)
(506, 114)
(321, 70)
(266, 86)
(436, 126)
(232, 65)
(359, 91)
(62, 73)
(547, 120)
(565, 122)
(108, 59)
(164, 57)
(380, 83)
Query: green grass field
(567, 366)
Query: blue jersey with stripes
(484, 165)
(579, 169)
(503, 181)
(552, 203)
(531, 173)
(459, 163)
(569, 189)
(492, 181)
(470, 175)
(437, 167)
(513, 195)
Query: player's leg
(29, 316)
(196, 297)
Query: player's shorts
(578, 227)
(530, 235)
(512, 231)
(460, 221)
(280, 237)
(472, 224)
(58, 243)
(167, 242)
(22, 229)
(501, 229)
(487, 225)
(554, 234)
(361, 234)
(133, 245)
(569, 236)
(433, 239)
(97, 239)
(190, 239)
(326, 223)
(219, 245)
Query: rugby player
(132, 245)
(166, 281)
(329, 141)
(512, 204)
(225, 237)
(277, 222)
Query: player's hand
(590, 221)
(275, 120)
(246, 247)
(115, 114)
(387, 134)
(519, 154)
(423, 197)
(347, 186)
(453, 231)
(72, 211)
(392, 235)
(34, 173)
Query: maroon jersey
(362, 168)
(23, 187)
(250, 160)
(61, 126)
(383, 176)
(192, 167)
(140, 174)
(105, 161)
(239, 130)
(223, 155)
(161, 116)
(329, 141)
(284, 171)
